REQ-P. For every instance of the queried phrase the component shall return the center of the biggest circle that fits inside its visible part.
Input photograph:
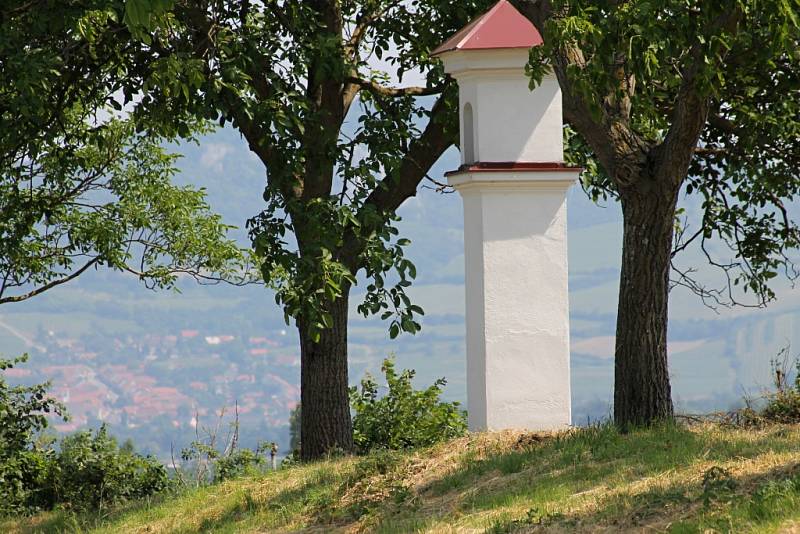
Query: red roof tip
(500, 27)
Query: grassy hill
(675, 479)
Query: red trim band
(514, 166)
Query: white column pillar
(517, 300)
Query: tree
(109, 202)
(79, 187)
(669, 96)
(342, 147)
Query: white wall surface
(517, 302)
(511, 122)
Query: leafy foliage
(87, 471)
(737, 64)
(224, 465)
(288, 75)
(403, 418)
(80, 188)
(25, 460)
(109, 202)
(92, 472)
(213, 458)
(242, 461)
(783, 404)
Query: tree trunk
(325, 422)
(642, 389)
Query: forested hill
(151, 363)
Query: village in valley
(157, 388)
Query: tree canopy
(726, 72)
(81, 188)
(309, 87)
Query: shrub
(783, 405)
(206, 463)
(25, 457)
(86, 472)
(403, 418)
(242, 461)
(92, 471)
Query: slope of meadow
(705, 478)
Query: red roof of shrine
(500, 27)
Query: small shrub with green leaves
(783, 406)
(242, 461)
(25, 455)
(403, 418)
(92, 472)
(86, 472)
(213, 458)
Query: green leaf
(394, 330)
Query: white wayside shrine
(514, 182)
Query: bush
(206, 463)
(242, 461)
(92, 472)
(783, 405)
(403, 418)
(25, 457)
(86, 472)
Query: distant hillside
(673, 479)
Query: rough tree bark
(641, 374)
(325, 423)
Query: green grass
(593, 479)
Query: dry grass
(590, 480)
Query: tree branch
(620, 151)
(51, 284)
(385, 91)
(255, 135)
(395, 188)
(423, 152)
(691, 109)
